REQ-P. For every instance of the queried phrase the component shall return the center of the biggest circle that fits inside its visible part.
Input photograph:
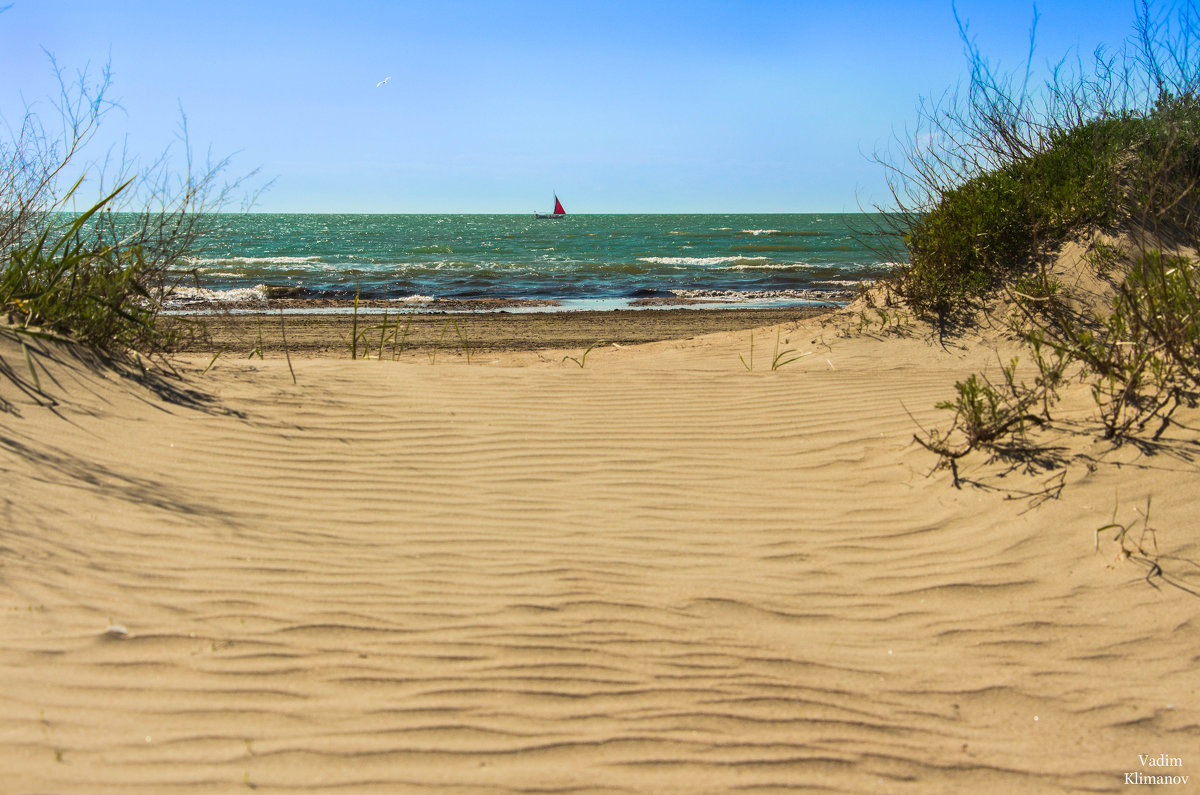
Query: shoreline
(296, 301)
(328, 335)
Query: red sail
(558, 210)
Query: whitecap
(697, 260)
(745, 296)
(758, 263)
(208, 262)
(183, 295)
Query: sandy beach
(673, 569)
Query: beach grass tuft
(257, 350)
(785, 357)
(383, 334)
(582, 360)
(463, 340)
(99, 277)
(1121, 534)
(779, 358)
(441, 338)
(64, 284)
(214, 358)
(748, 364)
(1140, 550)
(355, 336)
(286, 352)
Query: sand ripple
(659, 573)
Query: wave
(747, 265)
(698, 260)
(185, 296)
(182, 296)
(204, 262)
(745, 296)
(846, 282)
(784, 232)
(755, 265)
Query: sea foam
(206, 262)
(184, 296)
(747, 296)
(698, 260)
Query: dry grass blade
(462, 338)
(748, 365)
(213, 360)
(286, 352)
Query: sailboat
(559, 212)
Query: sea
(522, 263)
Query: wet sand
(328, 335)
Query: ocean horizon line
(564, 217)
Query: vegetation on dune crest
(98, 276)
(998, 176)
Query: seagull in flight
(384, 80)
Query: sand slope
(658, 573)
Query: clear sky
(697, 106)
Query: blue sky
(696, 106)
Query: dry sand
(660, 572)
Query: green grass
(786, 356)
(780, 358)
(65, 284)
(1142, 357)
(1002, 224)
(1006, 176)
(399, 338)
(582, 360)
(463, 340)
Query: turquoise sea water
(577, 259)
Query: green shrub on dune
(1000, 177)
(1003, 223)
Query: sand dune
(656, 573)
